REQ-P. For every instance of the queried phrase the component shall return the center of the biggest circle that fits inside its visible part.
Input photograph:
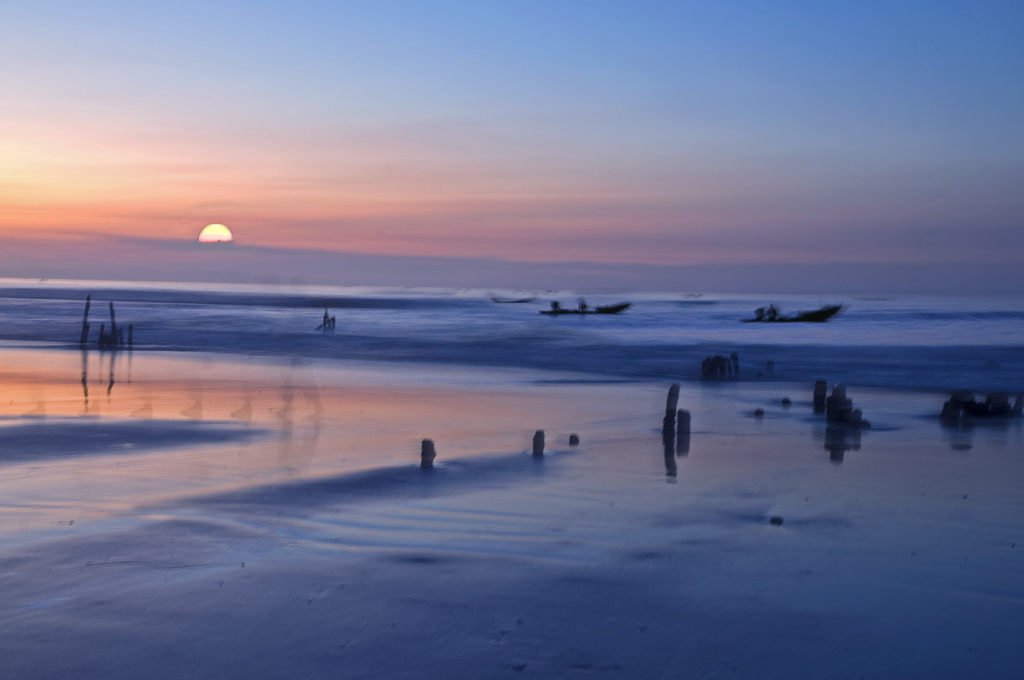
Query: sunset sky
(619, 133)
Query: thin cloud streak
(129, 259)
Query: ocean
(914, 343)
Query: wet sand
(221, 518)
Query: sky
(686, 135)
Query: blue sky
(630, 133)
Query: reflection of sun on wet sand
(307, 542)
(144, 411)
(245, 412)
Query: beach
(212, 515)
(480, 340)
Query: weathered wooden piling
(668, 423)
(683, 433)
(427, 454)
(673, 399)
(574, 440)
(112, 340)
(838, 407)
(996, 405)
(538, 443)
(820, 393)
(951, 410)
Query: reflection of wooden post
(538, 443)
(85, 377)
(683, 444)
(670, 465)
(85, 322)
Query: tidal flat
(199, 515)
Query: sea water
(920, 343)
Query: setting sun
(215, 233)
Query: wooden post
(113, 326)
(427, 454)
(668, 423)
(538, 443)
(85, 322)
(683, 434)
(673, 399)
(820, 391)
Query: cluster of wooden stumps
(675, 431)
(837, 407)
(720, 368)
(963, 405)
(328, 324)
(845, 423)
(962, 412)
(428, 453)
(113, 340)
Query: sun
(215, 233)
